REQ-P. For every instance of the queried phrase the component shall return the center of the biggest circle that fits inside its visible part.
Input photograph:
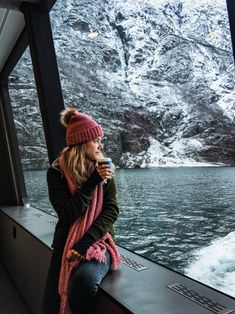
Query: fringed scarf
(76, 231)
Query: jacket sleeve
(109, 213)
(67, 206)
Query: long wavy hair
(76, 163)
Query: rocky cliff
(158, 75)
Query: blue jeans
(84, 284)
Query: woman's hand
(104, 171)
(73, 256)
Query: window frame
(37, 26)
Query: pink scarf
(76, 231)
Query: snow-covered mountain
(157, 74)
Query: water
(180, 217)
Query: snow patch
(159, 155)
(188, 4)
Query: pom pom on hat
(80, 127)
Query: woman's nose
(101, 146)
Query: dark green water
(166, 214)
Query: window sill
(140, 287)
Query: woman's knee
(82, 291)
(83, 283)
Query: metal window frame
(14, 192)
(231, 16)
(38, 35)
(46, 75)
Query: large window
(29, 129)
(159, 77)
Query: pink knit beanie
(80, 127)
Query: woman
(84, 197)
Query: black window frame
(37, 34)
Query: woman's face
(93, 148)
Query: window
(159, 77)
(28, 123)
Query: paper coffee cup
(105, 161)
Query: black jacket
(70, 207)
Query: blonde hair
(74, 158)
(75, 161)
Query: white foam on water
(214, 265)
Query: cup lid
(104, 159)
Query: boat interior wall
(10, 299)
(138, 286)
(11, 26)
(15, 4)
(26, 260)
(12, 23)
(14, 57)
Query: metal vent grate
(200, 299)
(52, 221)
(37, 214)
(129, 262)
